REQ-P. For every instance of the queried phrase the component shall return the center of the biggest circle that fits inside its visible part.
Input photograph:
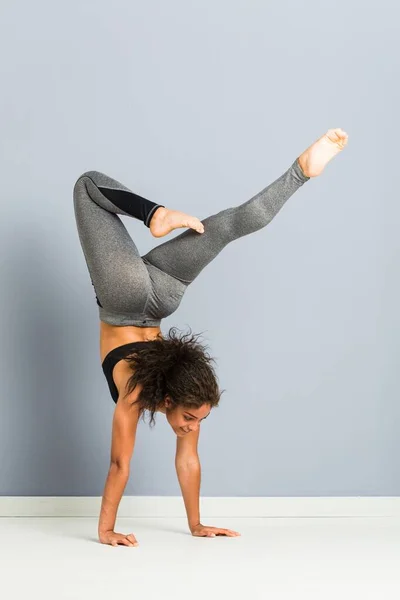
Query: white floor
(324, 558)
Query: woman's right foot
(313, 160)
(165, 220)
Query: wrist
(194, 525)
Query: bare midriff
(112, 336)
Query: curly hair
(177, 365)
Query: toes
(338, 132)
(337, 136)
(197, 225)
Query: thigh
(119, 276)
(186, 255)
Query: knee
(80, 188)
(94, 176)
(90, 180)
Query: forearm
(114, 488)
(189, 476)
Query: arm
(189, 474)
(188, 469)
(124, 427)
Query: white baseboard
(173, 506)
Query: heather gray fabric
(141, 290)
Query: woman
(144, 370)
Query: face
(184, 420)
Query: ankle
(303, 165)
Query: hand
(204, 531)
(113, 538)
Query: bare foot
(165, 220)
(316, 157)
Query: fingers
(214, 531)
(227, 532)
(132, 539)
(125, 540)
(121, 542)
(232, 533)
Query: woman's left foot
(313, 160)
(165, 220)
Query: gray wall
(199, 106)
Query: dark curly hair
(177, 365)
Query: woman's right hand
(113, 538)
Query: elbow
(120, 466)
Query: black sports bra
(111, 360)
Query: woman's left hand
(204, 531)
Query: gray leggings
(141, 290)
